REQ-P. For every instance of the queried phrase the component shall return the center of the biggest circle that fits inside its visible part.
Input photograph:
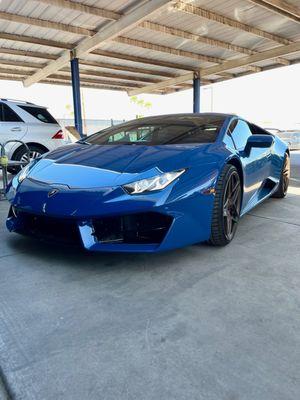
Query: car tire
(21, 155)
(227, 206)
(283, 186)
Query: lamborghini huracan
(151, 184)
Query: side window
(240, 134)
(228, 141)
(8, 115)
(42, 114)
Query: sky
(270, 98)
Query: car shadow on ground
(208, 257)
(76, 255)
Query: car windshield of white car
(149, 132)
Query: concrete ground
(196, 323)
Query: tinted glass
(161, 131)
(240, 134)
(256, 130)
(40, 113)
(8, 115)
(233, 125)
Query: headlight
(23, 173)
(152, 184)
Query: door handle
(16, 129)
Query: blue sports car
(151, 184)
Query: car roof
(182, 116)
(6, 100)
(189, 115)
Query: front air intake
(47, 228)
(142, 228)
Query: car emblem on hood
(52, 192)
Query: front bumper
(144, 231)
(108, 219)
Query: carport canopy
(153, 46)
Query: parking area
(196, 323)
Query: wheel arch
(42, 147)
(237, 164)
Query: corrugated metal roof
(156, 52)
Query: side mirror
(259, 141)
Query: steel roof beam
(64, 83)
(84, 71)
(168, 50)
(227, 65)
(86, 83)
(35, 40)
(83, 8)
(232, 23)
(22, 64)
(55, 44)
(179, 33)
(35, 54)
(244, 61)
(100, 74)
(281, 7)
(97, 81)
(109, 32)
(99, 52)
(143, 60)
(119, 56)
(25, 53)
(42, 23)
(127, 68)
(68, 76)
(202, 39)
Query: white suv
(31, 124)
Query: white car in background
(291, 137)
(33, 125)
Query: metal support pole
(76, 95)
(196, 93)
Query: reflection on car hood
(86, 166)
(121, 158)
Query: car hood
(88, 166)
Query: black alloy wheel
(227, 206)
(231, 206)
(284, 182)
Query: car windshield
(159, 131)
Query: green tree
(140, 103)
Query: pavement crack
(274, 219)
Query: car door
(256, 164)
(11, 124)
